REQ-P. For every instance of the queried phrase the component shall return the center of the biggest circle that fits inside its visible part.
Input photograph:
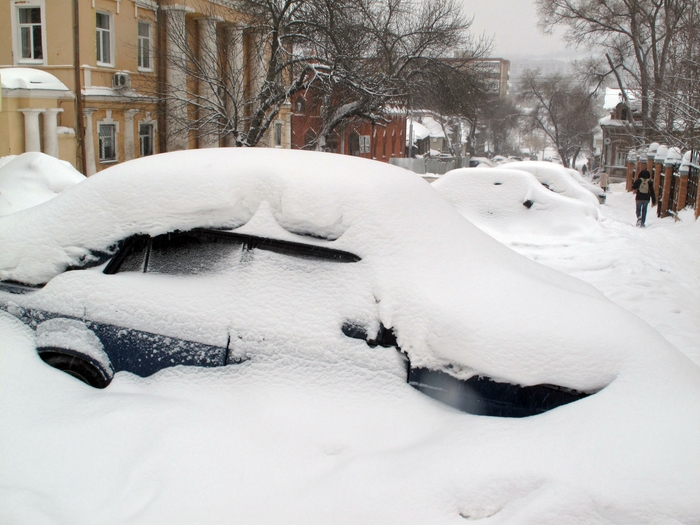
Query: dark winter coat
(644, 197)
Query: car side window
(134, 258)
(192, 254)
(201, 251)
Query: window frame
(139, 50)
(100, 145)
(150, 136)
(17, 26)
(99, 50)
(278, 132)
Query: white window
(104, 44)
(145, 62)
(28, 27)
(146, 139)
(107, 142)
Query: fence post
(672, 159)
(668, 173)
(659, 159)
(684, 175)
(631, 158)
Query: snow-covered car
(481, 162)
(595, 190)
(508, 203)
(557, 179)
(223, 257)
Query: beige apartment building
(82, 80)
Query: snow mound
(557, 179)
(33, 178)
(508, 204)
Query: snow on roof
(30, 179)
(420, 132)
(434, 126)
(613, 97)
(29, 78)
(451, 293)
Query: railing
(693, 180)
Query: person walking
(644, 191)
(604, 181)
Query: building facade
(380, 140)
(110, 62)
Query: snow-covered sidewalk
(653, 272)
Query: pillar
(657, 176)
(51, 131)
(129, 142)
(176, 100)
(90, 165)
(208, 83)
(665, 201)
(630, 174)
(233, 33)
(32, 136)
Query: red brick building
(359, 137)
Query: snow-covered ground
(653, 272)
(310, 436)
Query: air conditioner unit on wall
(121, 80)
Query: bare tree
(361, 56)
(640, 44)
(562, 110)
(395, 52)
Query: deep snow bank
(33, 178)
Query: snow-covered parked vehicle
(595, 190)
(556, 178)
(220, 257)
(510, 203)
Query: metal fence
(427, 166)
(693, 180)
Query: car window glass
(187, 254)
(133, 262)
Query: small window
(146, 139)
(104, 39)
(278, 134)
(107, 142)
(300, 105)
(30, 34)
(144, 46)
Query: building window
(107, 142)
(146, 139)
(104, 39)
(30, 34)
(144, 47)
(278, 134)
(28, 21)
(300, 105)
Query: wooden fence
(676, 179)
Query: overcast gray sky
(513, 24)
